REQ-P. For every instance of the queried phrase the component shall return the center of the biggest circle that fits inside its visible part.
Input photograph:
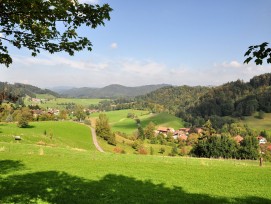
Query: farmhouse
(261, 140)
(238, 139)
(165, 130)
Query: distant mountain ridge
(111, 91)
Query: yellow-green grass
(61, 103)
(259, 124)
(119, 121)
(62, 175)
(49, 133)
(126, 145)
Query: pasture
(61, 103)
(120, 123)
(72, 171)
(259, 124)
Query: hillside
(111, 91)
(236, 98)
(20, 90)
(72, 171)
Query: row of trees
(223, 146)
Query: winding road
(94, 137)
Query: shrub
(142, 150)
(117, 150)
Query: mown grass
(62, 175)
(49, 133)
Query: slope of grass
(119, 121)
(259, 124)
(66, 176)
(51, 133)
(60, 103)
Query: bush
(117, 150)
(162, 150)
(112, 140)
(142, 150)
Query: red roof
(183, 137)
(238, 138)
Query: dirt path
(94, 137)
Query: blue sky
(192, 42)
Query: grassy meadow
(56, 102)
(75, 172)
(50, 133)
(259, 124)
(119, 121)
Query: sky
(177, 42)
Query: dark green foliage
(249, 148)
(225, 147)
(114, 91)
(233, 99)
(47, 25)
(141, 134)
(216, 146)
(259, 53)
(162, 150)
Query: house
(261, 140)
(183, 137)
(238, 139)
(185, 130)
(165, 130)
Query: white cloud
(114, 45)
(53, 70)
(233, 63)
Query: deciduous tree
(49, 25)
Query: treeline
(236, 98)
(198, 104)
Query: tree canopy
(47, 25)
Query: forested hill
(236, 98)
(172, 99)
(20, 90)
(111, 91)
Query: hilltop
(111, 91)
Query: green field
(49, 133)
(32, 173)
(259, 124)
(119, 121)
(55, 102)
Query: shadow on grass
(60, 187)
(28, 127)
(7, 166)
